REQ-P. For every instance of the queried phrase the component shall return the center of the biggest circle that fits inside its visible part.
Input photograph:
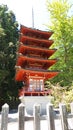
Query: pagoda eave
(23, 48)
(25, 39)
(24, 59)
(35, 32)
(22, 73)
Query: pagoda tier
(23, 74)
(35, 42)
(35, 33)
(35, 52)
(33, 61)
(29, 62)
(33, 81)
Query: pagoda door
(36, 84)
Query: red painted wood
(35, 41)
(32, 61)
(35, 32)
(27, 50)
(20, 75)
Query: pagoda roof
(25, 39)
(24, 48)
(22, 60)
(21, 74)
(35, 32)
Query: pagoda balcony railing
(36, 69)
(39, 69)
(36, 57)
(35, 93)
(35, 46)
(38, 47)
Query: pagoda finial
(32, 17)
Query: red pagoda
(33, 61)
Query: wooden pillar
(50, 116)
(63, 113)
(71, 106)
(4, 117)
(36, 114)
(21, 119)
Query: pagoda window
(35, 85)
(30, 85)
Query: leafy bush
(61, 94)
(68, 98)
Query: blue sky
(23, 11)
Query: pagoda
(33, 61)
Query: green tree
(8, 43)
(62, 26)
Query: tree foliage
(8, 42)
(62, 25)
